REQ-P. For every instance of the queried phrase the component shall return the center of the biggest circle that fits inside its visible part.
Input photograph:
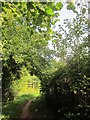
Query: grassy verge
(13, 109)
(22, 93)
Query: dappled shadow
(39, 109)
(43, 109)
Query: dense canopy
(61, 71)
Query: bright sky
(68, 14)
(64, 14)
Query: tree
(25, 34)
(68, 86)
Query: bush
(69, 88)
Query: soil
(25, 111)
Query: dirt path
(25, 111)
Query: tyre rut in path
(25, 110)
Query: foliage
(71, 6)
(40, 109)
(69, 85)
(21, 86)
(63, 72)
(69, 89)
(13, 109)
(26, 30)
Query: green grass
(13, 109)
(22, 93)
(20, 87)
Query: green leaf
(83, 10)
(50, 31)
(59, 6)
(49, 11)
(71, 6)
(54, 41)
